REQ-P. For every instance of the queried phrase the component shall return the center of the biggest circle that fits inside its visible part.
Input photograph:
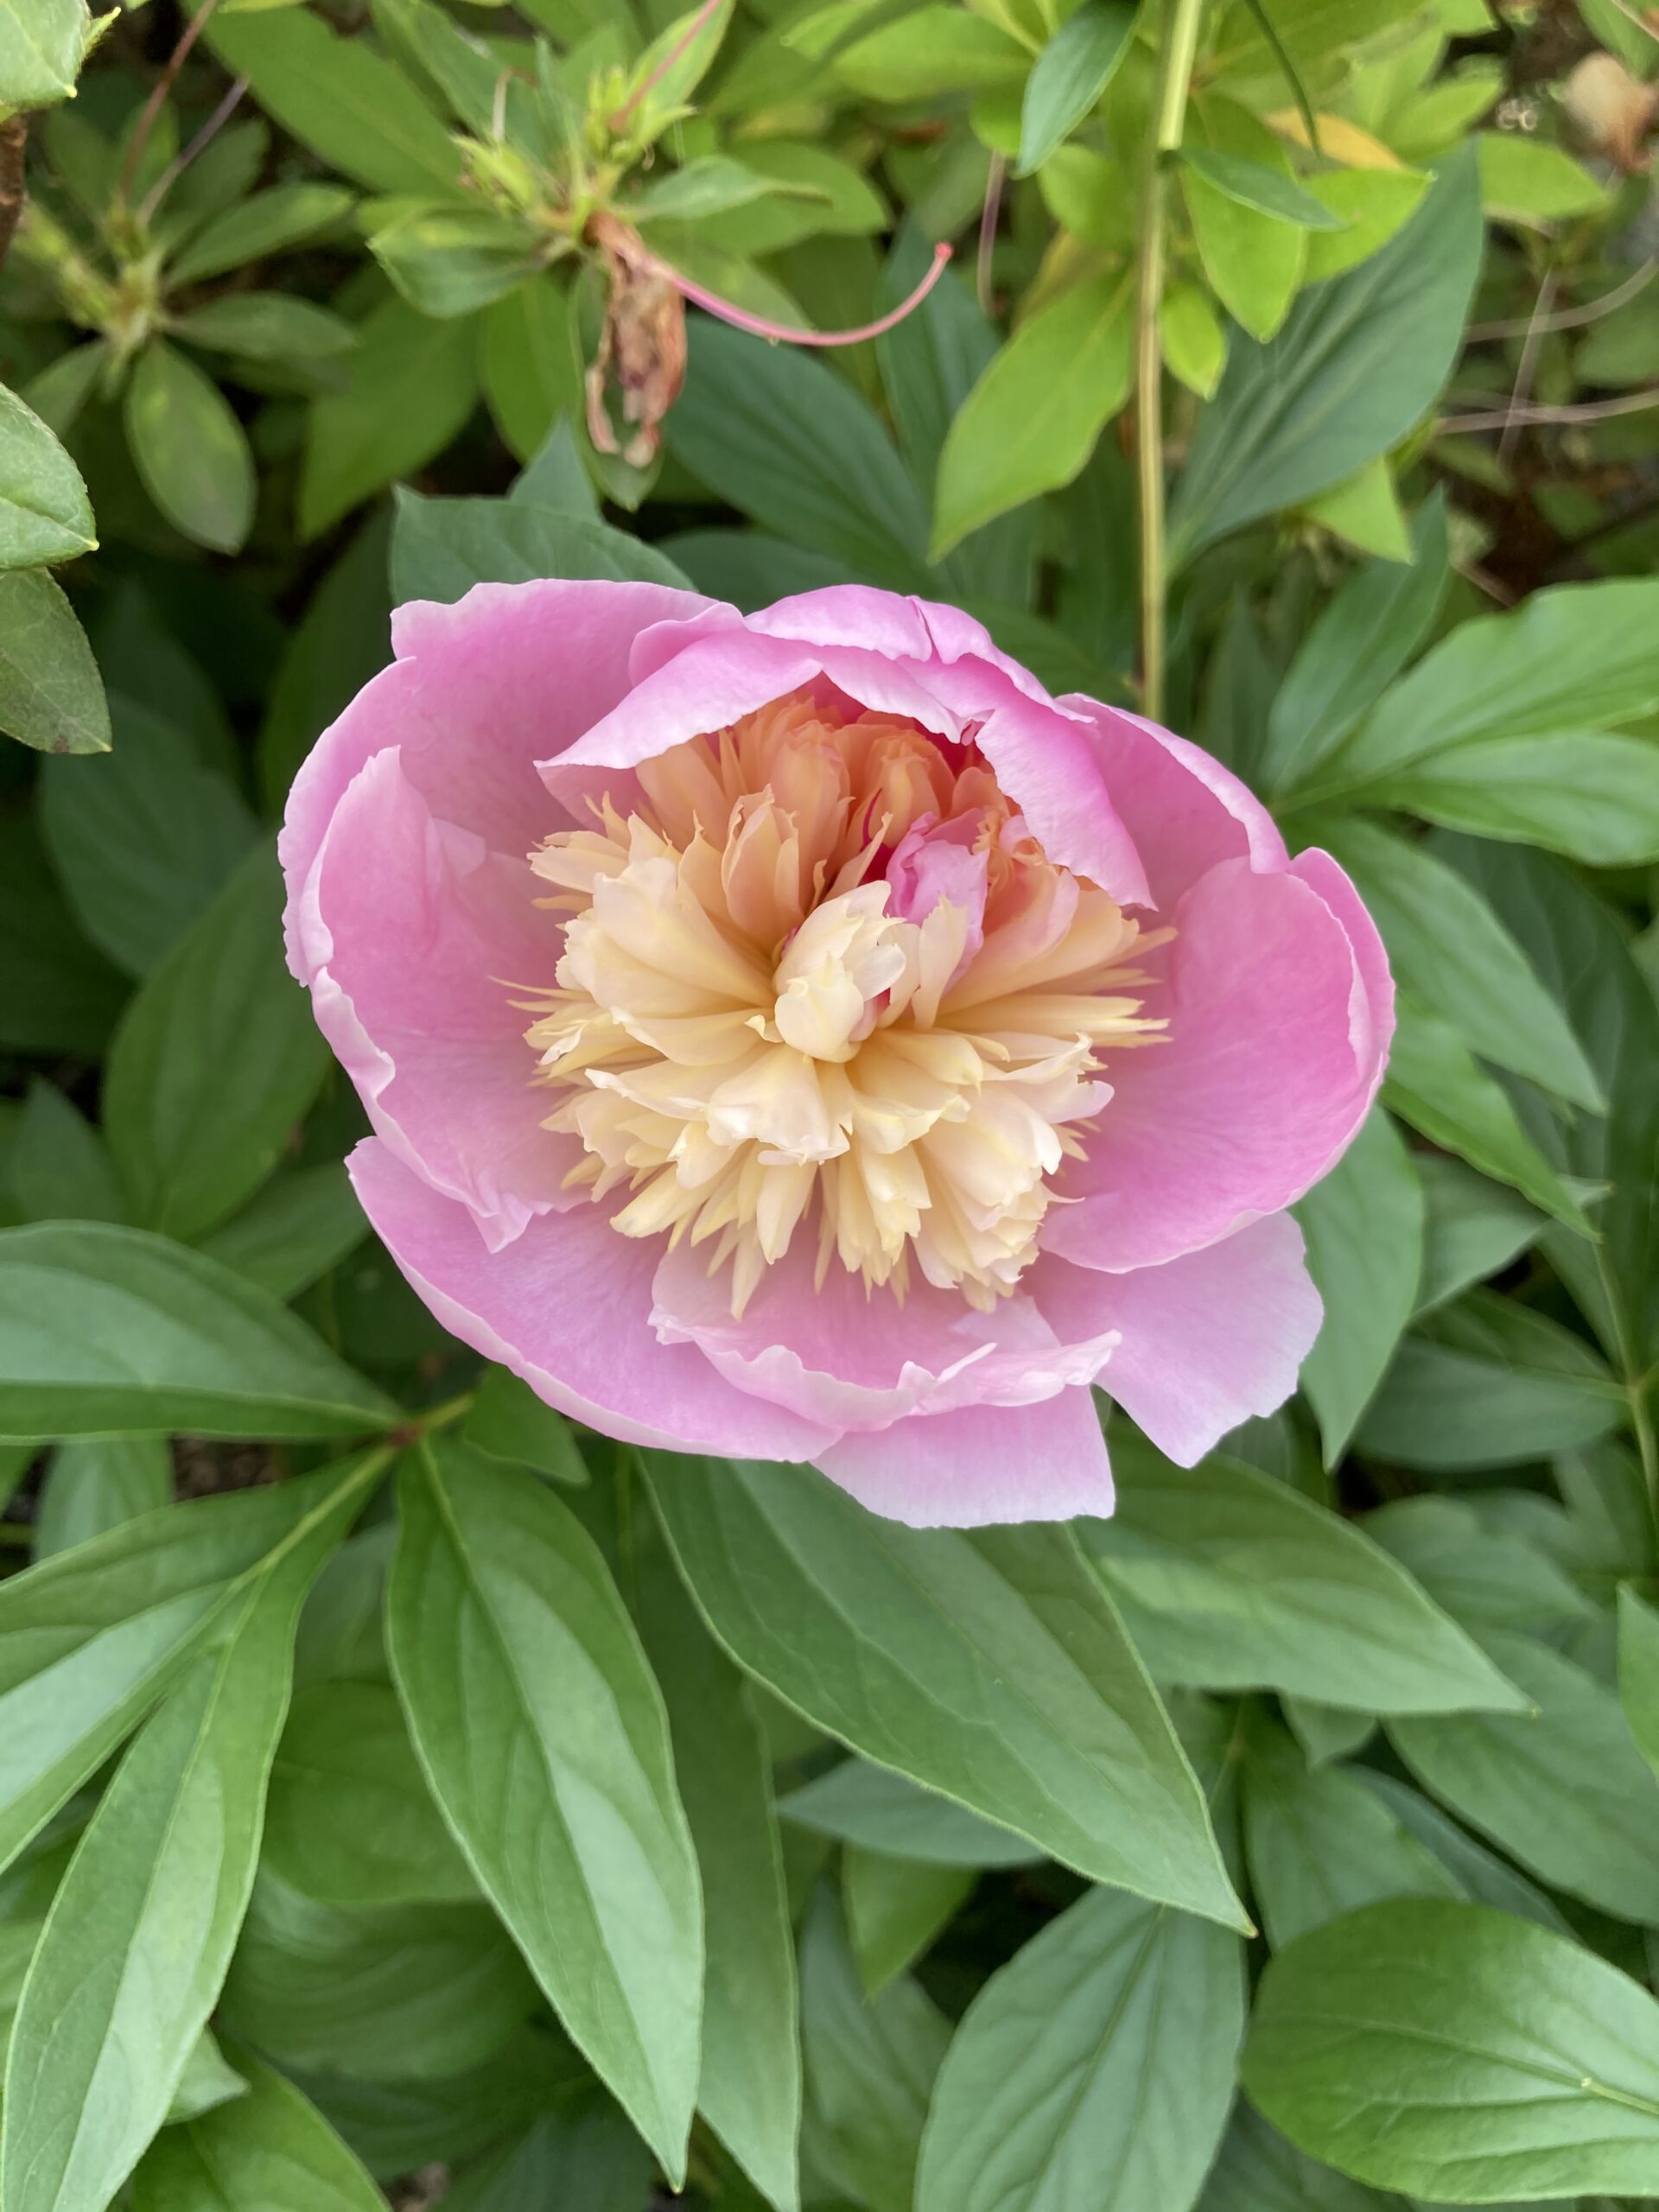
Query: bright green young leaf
(1364, 1228)
(91, 1638)
(409, 387)
(1638, 1671)
(1252, 260)
(50, 694)
(216, 1060)
(877, 1810)
(1370, 205)
(930, 51)
(191, 451)
(1270, 191)
(1231, 1579)
(870, 2067)
(1525, 181)
(1435, 1083)
(45, 514)
(1446, 2012)
(788, 441)
(1070, 75)
(1357, 363)
(542, 1736)
(97, 1484)
(895, 1908)
(269, 2151)
(113, 1331)
(441, 548)
(1096, 2068)
(447, 259)
(269, 223)
(294, 1229)
(1444, 942)
(985, 1663)
(340, 98)
(132, 1955)
(510, 1423)
(1364, 512)
(42, 45)
(1563, 1790)
(1031, 422)
(1194, 343)
(750, 2086)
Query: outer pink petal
(478, 693)
(1278, 1012)
(856, 1361)
(986, 1464)
(410, 934)
(1185, 811)
(1207, 1341)
(566, 1307)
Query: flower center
(819, 977)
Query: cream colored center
(819, 973)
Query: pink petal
(1207, 1341)
(410, 934)
(985, 1463)
(1279, 1009)
(852, 1360)
(565, 1307)
(1185, 811)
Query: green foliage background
(405, 1795)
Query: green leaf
(295, 1229)
(1435, 1083)
(1444, 942)
(113, 1331)
(1194, 343)
(531, 367)
(142, 839)
(50, 694)
(553, 476)
(1372, 205)
(1320, 1844)
(1364, 512)
(1356, 364)
(437, 56)
(1231, 1579)
(1586, 793)
(132, 1955)
(45, 514)
(708, 186)
(811, 193)
(792, 444)
(341, 98)
(97, 1485)
(1496, 2057)
(510, 1423)
(57, 994)
(881, 1811)
(1253, 184)
(343, 638)
(266, 327)
(269, 2151)
(1364, 1230)
(216, 1060)
(1563, 1790)
(441, 548)
(932, 51)
(57, 1166)
(870, 2067)
(1480, 1874)
(350, 1820)
(1070, 75)
(895, 1908)
(1096, 2068)
(207, 2082)
(410, 387)
(1259, 2172)
(542, 1736)
(1638, 1671)
(1474, 1228)
(1489, 1383)
(1031, 422)
(1251, 260)
(450, 259)
(750, 2086)
(189, 449)
(1529, 182)
(584, 2156)
(42, 43)
(1574, 659)
(1485, 1576)
(986, 1664)
(269, 222)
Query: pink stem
(762, 328)
(679, 47)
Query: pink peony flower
(798, 1036)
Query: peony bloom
(798, 1036)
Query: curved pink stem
(743, 320)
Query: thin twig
(1521, 392)
(681, 46)
(204, 138)
(1568, 318)
(1589, 410)
(989, 215)
(159, 91)
(14, 142)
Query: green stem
(1178, 43)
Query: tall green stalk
(1178, 42)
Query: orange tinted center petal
(819, 979)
